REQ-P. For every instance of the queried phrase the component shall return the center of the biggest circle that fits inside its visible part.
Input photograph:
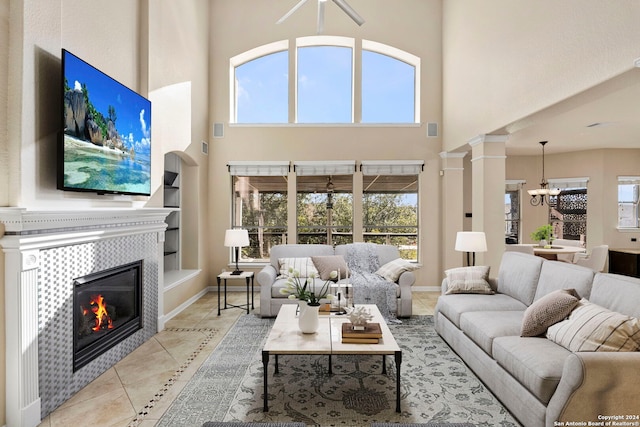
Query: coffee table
(285, 338)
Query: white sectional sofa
(271, 299)
(540, 382)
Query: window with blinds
(628, 196)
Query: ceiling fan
(321, 4)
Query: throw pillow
(548, 310)
(590, 327)
(468, 280)
(393, 269)
(328, 263)
(304, 266)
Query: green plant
(297, 289)
(542, 233)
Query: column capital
(447, 155)
(487, 138)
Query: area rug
(436, 386)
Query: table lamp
(471, 241)
(236, 239)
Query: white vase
(542, 243)
(308, 318)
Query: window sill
(325, 125)
(628, 230)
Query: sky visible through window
(325, 87)
(324, 84)
(388, 89)
(262, 89)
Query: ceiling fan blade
(292, 11)
(349, 11)
(321, 16)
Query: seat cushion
(483, 326)
(560, 275)
(452, 306)
(537, 363)
(616, 292)
(518, 275)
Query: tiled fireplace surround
(43, 252)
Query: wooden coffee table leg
(265, 364)
(398, 363)
(384, 365)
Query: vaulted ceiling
(605, 116)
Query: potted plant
(542, 235)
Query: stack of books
(370, 335)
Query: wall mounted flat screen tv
(105, 145)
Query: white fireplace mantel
(23, 235)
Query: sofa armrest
(406, 278)
(267, 276)
(595, 384)
(405, 281)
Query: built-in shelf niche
(172, 200)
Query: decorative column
(452, 173)
(488, 170)
(21, 305)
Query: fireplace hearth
(107, 309)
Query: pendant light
(538, 195)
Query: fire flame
(99, 309)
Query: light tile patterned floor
(138, 390)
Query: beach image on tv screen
(107, 132)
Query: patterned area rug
(436, 385)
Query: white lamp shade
(471, 241)
(236, 238)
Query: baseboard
(173, 313)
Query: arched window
(260, 85)
(327, 89)
(390, 90)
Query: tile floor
(139, 388)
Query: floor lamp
(236, 239)
(471, 242)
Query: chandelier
(543, 190)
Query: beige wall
(178, 76)
(504, 60)
(385, 23)
(123, 38)
(602, 167)
(4, 73)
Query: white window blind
(629, 180)
(333, 167)
(391, 167)
(568, 182)
(514, 184)
(258, 168)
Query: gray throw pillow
(547, 311)
(327, 263)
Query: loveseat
(271, 282)
(541, 382)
